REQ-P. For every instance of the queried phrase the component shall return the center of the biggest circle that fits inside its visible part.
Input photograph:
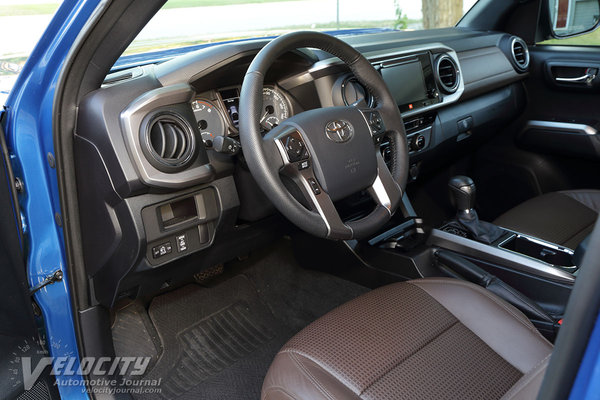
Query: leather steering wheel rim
(266, 160)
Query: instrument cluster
(217, 111)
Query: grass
(589, 39)
(50, 8)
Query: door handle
(590, 75)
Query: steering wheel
(330, 153)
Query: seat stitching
(538, 364)
(309, 357)
(521, 318)
(277, 388)
(522, 383)
(402, 360)
(310, 376)
(489, 296)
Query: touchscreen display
(406, 82)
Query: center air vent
(447, 74)
(520, 54)
(169, 142)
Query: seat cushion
(564, 218)
(430, 338)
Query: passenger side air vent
(447, 74)
(169, 142)
(520, 54)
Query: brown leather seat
(433, 338)
(564, 218)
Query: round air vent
(447, 74)
(520, 54)
(169, 142)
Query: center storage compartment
(546, 252)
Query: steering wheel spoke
(385, 190)
(297, 165)
(323, 205)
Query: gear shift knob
(462, 193)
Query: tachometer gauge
(275, 108)
(209, 119)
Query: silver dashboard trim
(568, 127)
(131, 120)
(499, 256)
(377, 58)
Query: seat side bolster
(589, 198)
(302, 378)
(529, 385)
(493, 320)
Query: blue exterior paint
(587, 383)
(29, 133)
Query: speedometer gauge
(275, 108)
(209, 119)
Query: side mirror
(573, 17)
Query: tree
(401, 18)
(441, 13)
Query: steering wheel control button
(295, 147)
(314, 186)
(303, 165)
(162, 250)
(181, 243)
(375, 122)
(339, 131)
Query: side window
(574, 22)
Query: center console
(532, 274)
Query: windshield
(194, 22)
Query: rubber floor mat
(217, 342)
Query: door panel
(564, 90)
(552, 146)
(562, 118)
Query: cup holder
(549, 253)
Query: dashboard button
(295, 148)
(303, 165)
(181, 243)
(314, 185)
(162, 250)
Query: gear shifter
(462, 196)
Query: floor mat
(218, 342)
(214, 341)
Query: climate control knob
(418, 143)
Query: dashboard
(160, 173)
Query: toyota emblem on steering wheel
(339, 131)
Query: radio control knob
(419, 142)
